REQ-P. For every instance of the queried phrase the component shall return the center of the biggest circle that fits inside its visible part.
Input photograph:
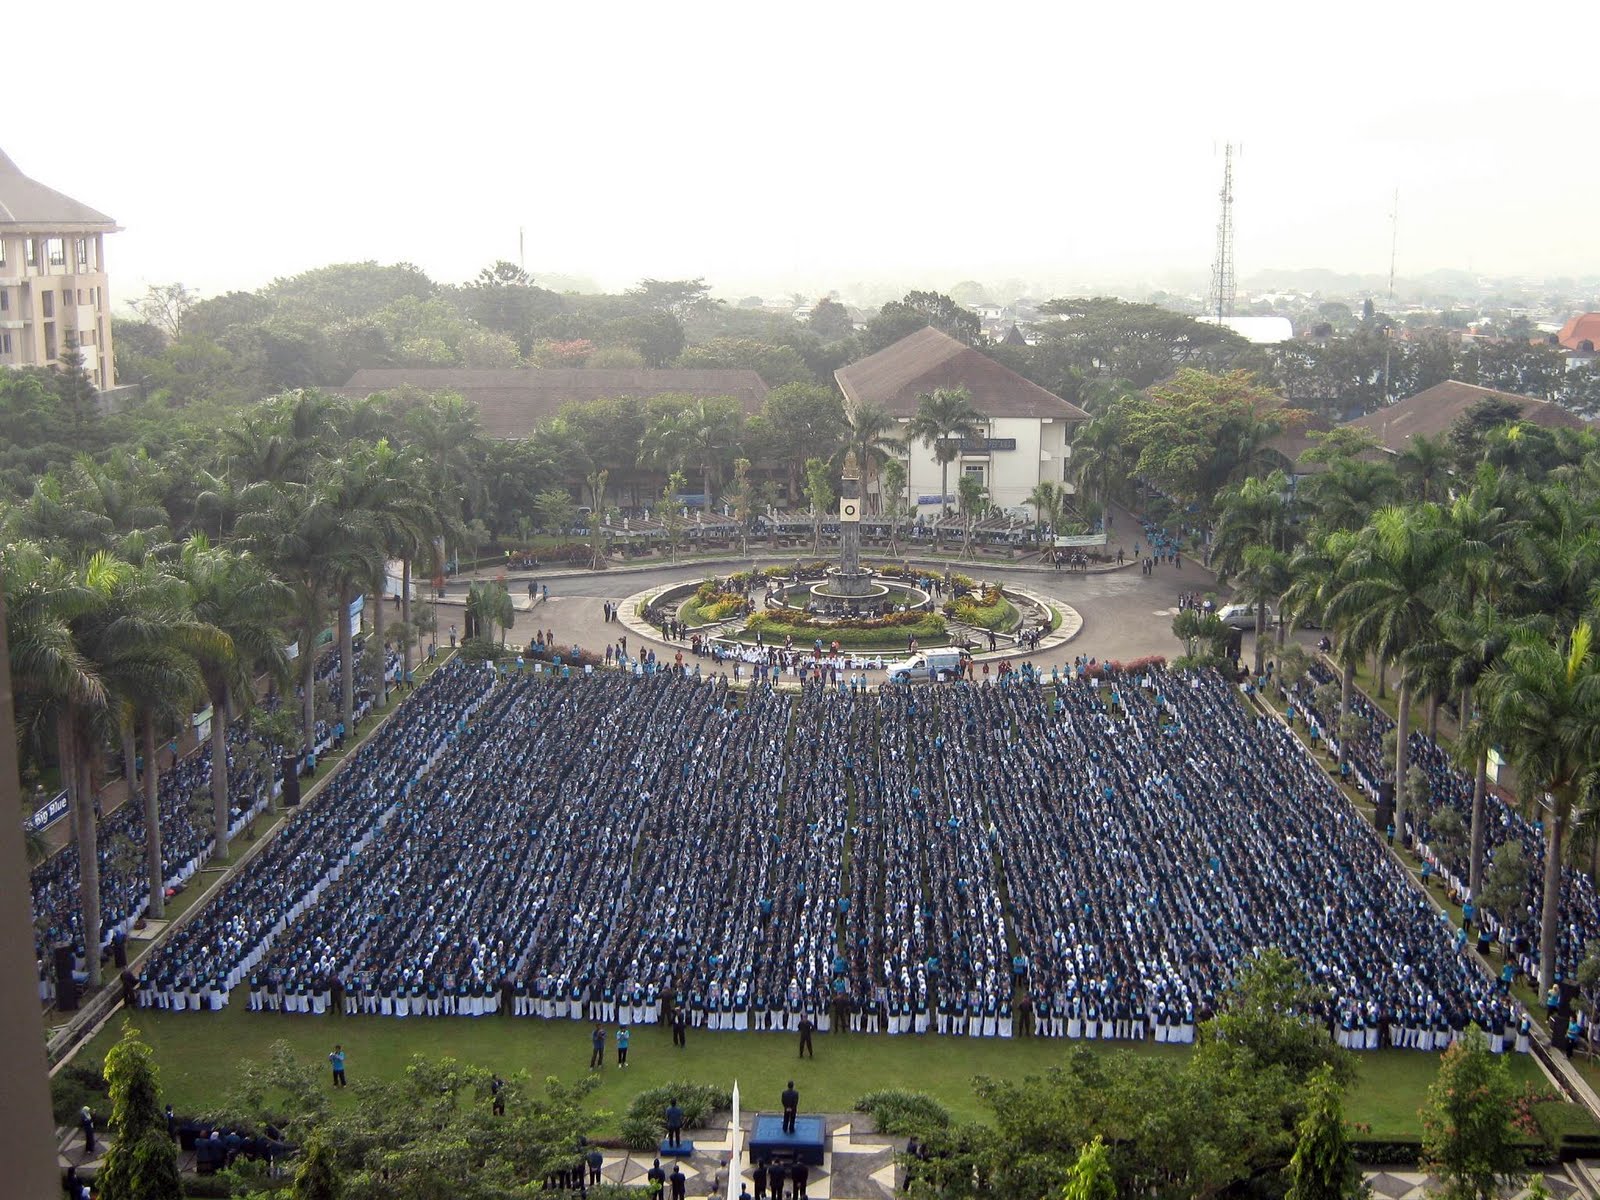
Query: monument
(850, 579)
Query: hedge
(645, 1122)
(901, 1113)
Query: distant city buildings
(53, 283)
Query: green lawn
(197, 1054)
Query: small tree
(597, 515)
(971, 495)
(1322, 1167)
(1467, 1138)
(892, 484)
(672, 518)
(819, 494)
(1447, 834)
(1505, 885)
(142, 1163)
(744, 499)
(316, 1178)
(1417, 788)
(1090, 1177)
(556, 510)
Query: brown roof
(929, 359)
(511, 403)
(1585, 327)
(1431, 413)
(27, 204)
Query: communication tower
(1219, 300)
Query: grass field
(198, 1053)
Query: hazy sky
(816, 145)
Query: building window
(5, 300)
(2, 252)
(86, 338)
(55, 252)
(80, 295)
(47, 300)
(978, 471)
(5, 343)
(83, 254)
(30, 252)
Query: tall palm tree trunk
(1550, 907)
(76, 773)
(1381, 669)
(1347, 686)
(308, 688)
(377, 636)
(219, 769)
(1433, 717)
(1402, 754)
(1480, 780)
(347, 662)
(405, 619)
(1261, 639)
(130, 758)
(152, 818)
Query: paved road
(1125, 613)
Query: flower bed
(986, 610)
(855, 632)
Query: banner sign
(978, 445)
(1081, 539)
(935, 499)
(48, 814)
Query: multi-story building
(53, 292)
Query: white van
(1242, 616)
(937, 665)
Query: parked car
(1242, 616)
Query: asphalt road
(1126, 614)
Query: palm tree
(1263, 577)
(232, 592)
(701, 435)
(44, 598)
(1050, 501)
(1386, 598)
(1348, 493)
(1425, 465)
(149, 650)
(942, 419)
(873, 443)
(1541, 701)
(1099, 455)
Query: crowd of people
(1448, 787)
(184, 802)
(211, 954)
(1088, 855)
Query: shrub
(76, 1087)
(482, 650)
(644, 1124)
(988, 610)
(901, 1113)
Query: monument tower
(853, 581)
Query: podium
(805, 1144)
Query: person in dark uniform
(678, 1181)
(791, 1107)
(596, 1160)
(798, 1175)
(597, 1040)
(86, 1123)
(760, 1178)
(680, 1028)
(674, 1124)
(497, 1092)
(655, 1179)
(806, 1026)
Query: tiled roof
(1585, 327)
(27, 204)
(929, 359)
(1431, 412)
(511, 403)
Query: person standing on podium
(674, 1124)
(791, 1107)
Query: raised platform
(683, 1149)
(805, 1144)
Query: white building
(53, 291)
(1024, 440)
